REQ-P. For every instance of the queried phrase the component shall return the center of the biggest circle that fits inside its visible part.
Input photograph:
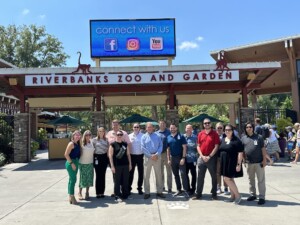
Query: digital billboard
(132, 38)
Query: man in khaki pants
(152, 148)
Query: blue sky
(201, 26)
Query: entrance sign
(143, 78)
(132, 38)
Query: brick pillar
(98, 120)
(33, 125)
(172, 117)
(21, 138)
(247, 115)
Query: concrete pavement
(36, 193)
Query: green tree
(30, 46)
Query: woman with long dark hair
(72, 155)
(231, 155)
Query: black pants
(191, 167)
(179, 169)
(137, 161)
(121, 178)
(100, 170)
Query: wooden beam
(292, 58)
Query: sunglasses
(136, 127)
(220, 128)
(206, 123)
(120, 135)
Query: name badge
(255, 142)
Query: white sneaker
(226, 192)
(219, 191)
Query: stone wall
(172, 117)
(21, 138)
(98, 120)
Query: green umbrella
(136, 118)
(153, 123)
(201, 117)
(66, 120)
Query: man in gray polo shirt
(255, 152)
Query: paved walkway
(36, 193)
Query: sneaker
(219, 191)
(226, 192)
(229, 200)
(118, 199)
(197, 197)
(177, 193)
(186, 195)
(161, 195)
(214, 197)
(261, 201)
(146, 196)
(238, 200)
(251, 198)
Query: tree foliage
(30, 46)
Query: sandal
(87, 196)
(80, 196)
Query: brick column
(33, 125)
(98, 120)
(172, 117)
(247, 115)
(21, 138)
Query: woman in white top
(86, 165)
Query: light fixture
(251, 76)
(13, 81)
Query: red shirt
(208, 141)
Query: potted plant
(34, 145)
(42, 138)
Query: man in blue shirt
(191, 157)
(152, 148)
(176, 158)
(164, 132)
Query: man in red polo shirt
(208, 144)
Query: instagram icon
(133, 44)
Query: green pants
(72, 176)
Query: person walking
(297, 128)
(164, 132)
(72, 155)
(231, 156)
(176, 153)
(120, 161)
(191, 158)
(208, 144)
(152, 148)
(86, 165)
(100, 161)
(255, 153)
(137, 158)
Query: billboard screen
(132, 38)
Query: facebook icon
(110, 44)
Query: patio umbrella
(136, 118)
(201, 117)
(153, 123)
(66, 120)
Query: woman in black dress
(231, 154)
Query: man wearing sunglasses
(208, 144)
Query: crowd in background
(220, 150)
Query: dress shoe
(146, 196)
(261, 201)
(161, 195)
(169, 191)
(251, 198)
(214, 197)
(177, 193)
(197, 197)
(140, 192)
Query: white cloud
(42, 17)
(199, 38)
(187, 45)
(25, 12)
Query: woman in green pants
(72, 154)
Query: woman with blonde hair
(72, 155)
(86, 165)
(100, 161)
(297, 128)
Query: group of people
(219, 151)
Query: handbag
(121, 152)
